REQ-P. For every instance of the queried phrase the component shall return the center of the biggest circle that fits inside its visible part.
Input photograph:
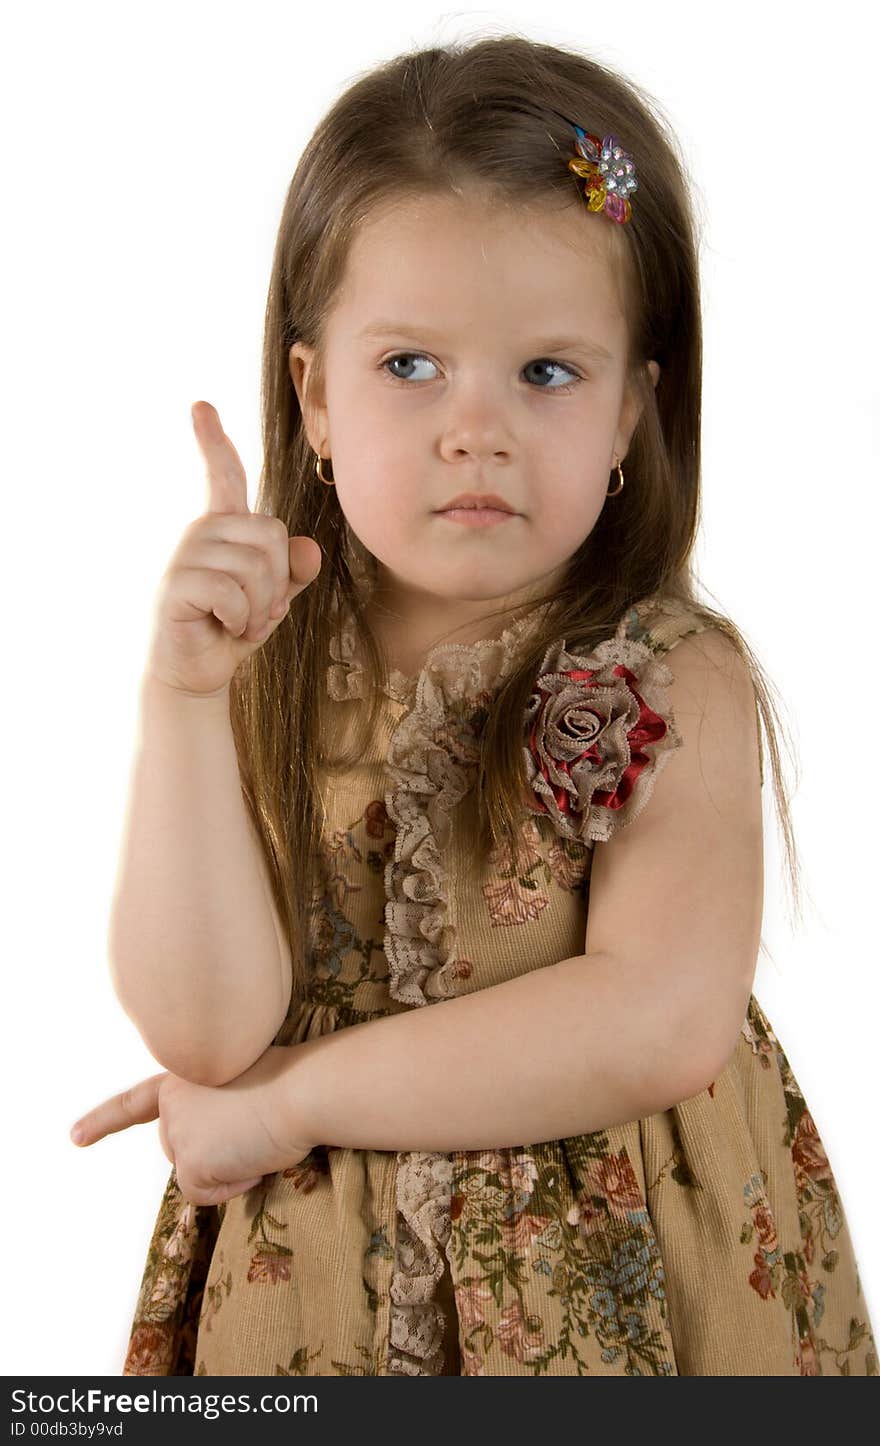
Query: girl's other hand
(221, 1140)
(230, 580)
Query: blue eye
(404, 356)
(546, 362)
(542, 362)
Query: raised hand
(230, 581)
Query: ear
(312, 402)
(630, 412)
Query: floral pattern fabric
(708, 1239)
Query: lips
(478, 516)
(477, 501)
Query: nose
(484, 437)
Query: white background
(148, 152)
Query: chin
(465, 590)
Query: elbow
(183, 1058)
(188, 1058)
(676, 1087)
(704, 1053)
(207, 1053)
(210, 1072)
(212, 1064)
(668, 1063)
(194, 1071)
(217, 1070)
(209, 1068)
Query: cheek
(360, 501)
(370, 418)
(371, 450)
(372, 503)
(568, 504)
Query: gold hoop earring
(318, 462)
(620, 488)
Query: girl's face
(472, 350)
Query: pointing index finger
(135, 1106)
(227, 482)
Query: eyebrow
(550, 344)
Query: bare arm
(573, 1047)
(198, 959)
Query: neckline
(345, 675)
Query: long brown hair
(431, 121)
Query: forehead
(457, 258)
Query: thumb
(305, 558)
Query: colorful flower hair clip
(608, 171)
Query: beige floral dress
(708, 1239)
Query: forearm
(578, 1046)
(194, 953)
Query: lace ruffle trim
(345, 673)
(418, 1325)
(431, 762)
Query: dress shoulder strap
(660, 623)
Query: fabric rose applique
(598, 729)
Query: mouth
(477, 501)
(477, 516)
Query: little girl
(387, 717)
